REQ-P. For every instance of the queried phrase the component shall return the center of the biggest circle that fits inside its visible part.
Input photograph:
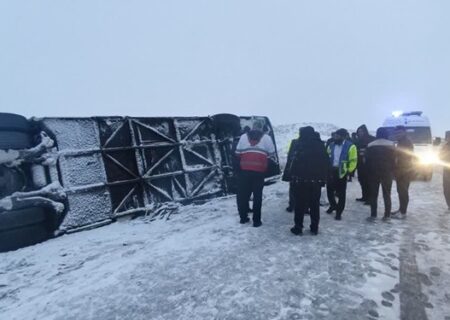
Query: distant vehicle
(418, 128)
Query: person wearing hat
(343, 161)
(254, 151)
(445, 157)
(308, 175)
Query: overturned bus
(60, 175)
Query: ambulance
(418, 129)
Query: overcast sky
(344, 62)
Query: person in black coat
(309, 172)
(287, 173)
(380, 160)
(404, 167)
(363, 138)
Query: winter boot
(257, 224)
(297, 231)
(244, 220)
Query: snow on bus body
(418, 128)
(116, 166)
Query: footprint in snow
(295, 316)
(396, 289)
(388, 296)
(435, 271)
(386, 304)
(425, 279)
(373, 313)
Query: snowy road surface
(204, 265)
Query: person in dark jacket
(309, 174)
(253, 151)
(362, 141)
(287, 173)
(380, 160)
(445, 158)
(403, 168)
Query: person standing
(343, 159)
(287, 173)
(362, 141)
(253, 151)
(309, 173)
(445, 157)
(380, 157)
(403, 168)
(330, 140)
(353, 139)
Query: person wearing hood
(343, 161)
(380, 157)
(253, 152)
(287, 172)
(309, 173)
(363, 138)
(445, 158)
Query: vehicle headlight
(428, 158)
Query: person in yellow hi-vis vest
(343, 160)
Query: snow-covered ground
(202, 264)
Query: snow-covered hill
(286, 132)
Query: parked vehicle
(418, 129)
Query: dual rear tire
(14, 132)
(24, 227)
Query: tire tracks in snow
(412, 305)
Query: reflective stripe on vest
(343, 159)
(254, 160)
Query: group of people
(313, 164)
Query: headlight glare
(428, 158)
